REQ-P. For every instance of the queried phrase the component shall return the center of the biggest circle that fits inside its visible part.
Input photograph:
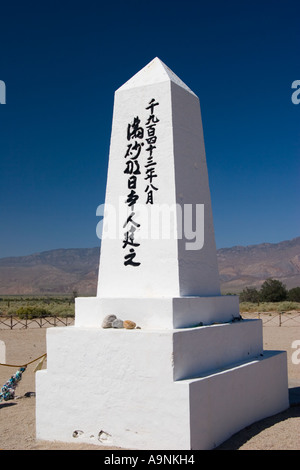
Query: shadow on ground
(240, 438)
(6, 405)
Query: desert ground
(17, 416)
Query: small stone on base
(108, 320)
(129, 325)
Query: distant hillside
(65, 270)
(251, 265)
(49, 272)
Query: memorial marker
(159, 359)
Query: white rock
(108, 320)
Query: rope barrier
(24, 365)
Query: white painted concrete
(163, 312)
(192, 351)
(171, 384)
(228, 401)
(167, 267)
(199, 351)
(105, 385)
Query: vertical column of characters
(151, 140)
(135, 135)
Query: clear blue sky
(63, 60)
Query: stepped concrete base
(157, 389)
(158, 312)
(190, 377)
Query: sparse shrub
(294, 294)
(63, 310)
(32, 312)
(287, 306)
(273, 290)
(35, 307)
(250, 294)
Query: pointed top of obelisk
(155, 72)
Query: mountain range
(64, 271)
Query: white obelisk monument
(194, 372)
